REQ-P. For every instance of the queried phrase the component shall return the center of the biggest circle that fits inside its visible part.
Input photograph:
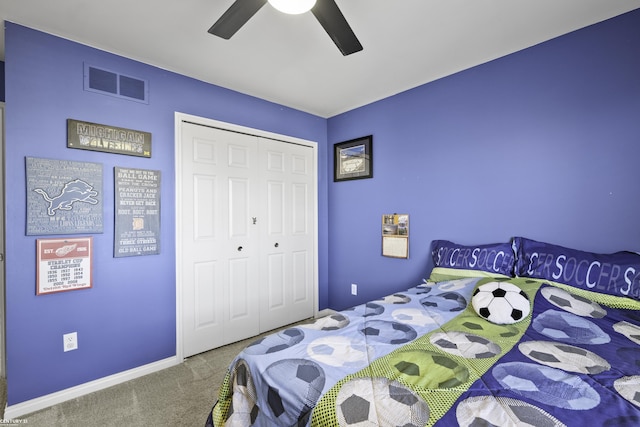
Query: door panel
(275, 278)
(275, 209)
(202, 295)
(219, 305)
(302, 237)
(286, 178)
(204, 151)
(205, 296)
(240, 156)
(299, 205)
(301, 276)
(275, 161)
(239, 304)
(238, 202)
(204, 212)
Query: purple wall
(543, 143)
(128, 318)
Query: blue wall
(542, 143)
(128, 318)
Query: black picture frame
(353, 159)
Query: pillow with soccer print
(497, 259)
(616, 274)
(501, 302)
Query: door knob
(239, 248)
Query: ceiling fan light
(293, 7)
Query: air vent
(115, 84)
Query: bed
(517, 333)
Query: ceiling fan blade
(334, 23)
(235, 17)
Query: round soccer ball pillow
(501, 302)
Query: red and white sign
(64, 264)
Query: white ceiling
(290, 60)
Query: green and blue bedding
(424, 357)
(428, 356)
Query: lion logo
(73, 191)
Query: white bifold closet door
(247, 235)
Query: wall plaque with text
(137, 212)
(63, 197)
(109, 139)
(63, 264)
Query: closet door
(286, 224)
(220, 260)
(247, 235)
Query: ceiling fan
(325, 11)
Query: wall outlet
(70, 341)
(354, 289)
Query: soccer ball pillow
(501, 302)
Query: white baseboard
(39, 403)
(33, 405)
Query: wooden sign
(109, 139)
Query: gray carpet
(178, 396)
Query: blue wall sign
(63, 197)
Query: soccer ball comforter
(428, 356)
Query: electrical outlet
(354, 289)
(70, 341)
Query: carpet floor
(181, 395)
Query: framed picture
(395, 235)
(63, 264)
(353, 159)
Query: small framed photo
(395, 235)
(353, 159)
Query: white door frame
(179, 119)
(2, 249)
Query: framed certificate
(63, 264)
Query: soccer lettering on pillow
(494, 258)
(615, 274)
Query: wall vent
(115, 84)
